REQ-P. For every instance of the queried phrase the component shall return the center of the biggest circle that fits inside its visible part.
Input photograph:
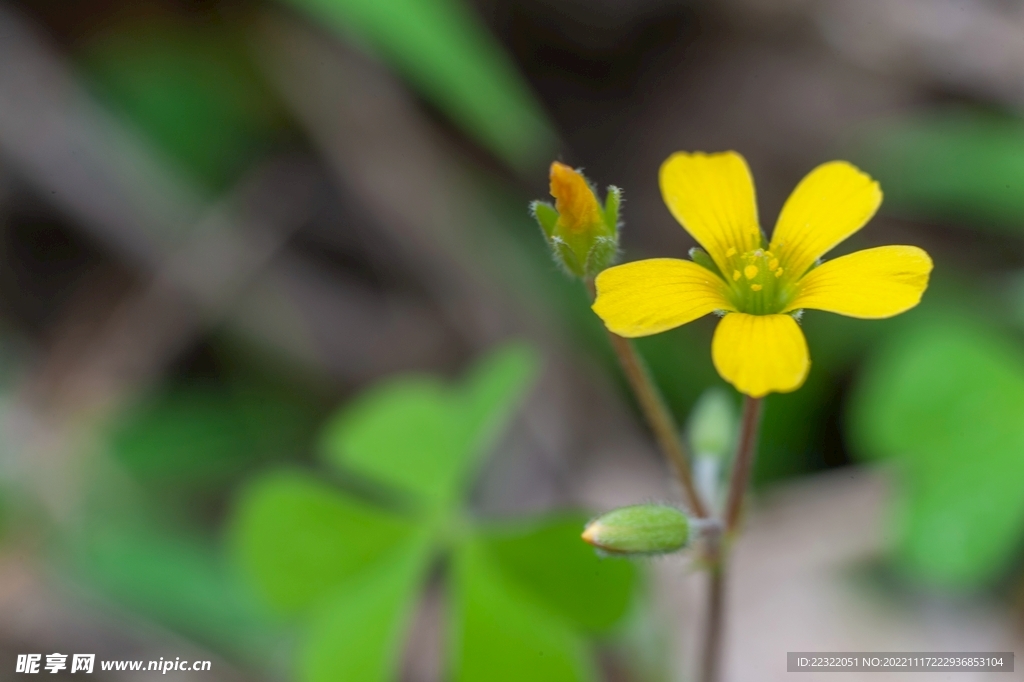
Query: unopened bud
(713, 424)
(583, 236)
(640, 529)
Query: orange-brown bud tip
(574, 200)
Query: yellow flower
(758, 346)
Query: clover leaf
(522, 596)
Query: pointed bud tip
(575, 201)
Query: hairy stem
(658, 417)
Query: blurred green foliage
(963, 166)
(350, 566)
(202, 436)
(191, 90)
(178, 578)
(944, 399)
(502, 633)
(142, 540)
(449, 56)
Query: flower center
(757, 280)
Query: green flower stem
(657, 414)
(717, 557)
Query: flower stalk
(658, 416)
(746, 452)
(718, 558)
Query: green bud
(640, 529)
(583, 235)
(713, 424)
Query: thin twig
(717, 551)
(660, 420)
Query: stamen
(757, 280)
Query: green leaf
(296, 538)
(422, 436)
(359, 633)
(499, 634)
(406, 433)
(944, 399)
(547, 559)
(442, 48)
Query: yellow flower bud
(583, 236)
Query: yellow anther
(773, 263)
(755, 287)
(750, 271)
(778, 273)
(730, 252)
(735, 275)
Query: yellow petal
(650, 296)
(760, 354)
(831, 203)
(873, 283)
(712, 196)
